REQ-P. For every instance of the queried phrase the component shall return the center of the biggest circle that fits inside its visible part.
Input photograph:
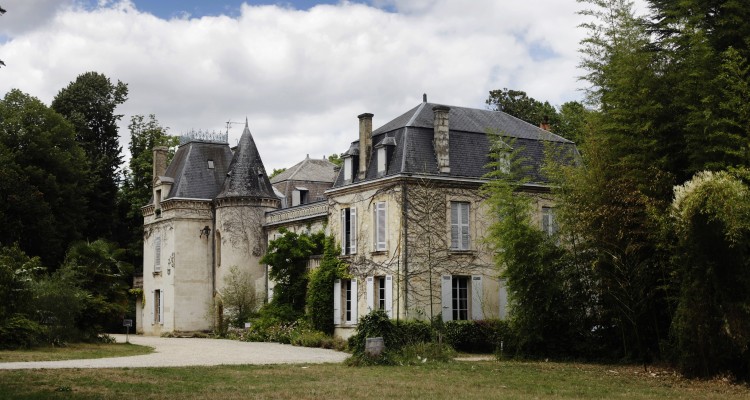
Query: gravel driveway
(182, 352)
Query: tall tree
(43, 171)
(145, 134)
(89, 103)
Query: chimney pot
(441, 139)
(365, 143)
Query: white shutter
(454, 225)
(353, 230)
(380, 228)
(344, 238)
(157, 254)
(161, 307)
(464, 226)
(355, 297)
(151, 309)
(447, 297)
(503, 300)
(370, 293)
(389, 295)
(295, 198)
(337, 302)
(476, 297)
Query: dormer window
(299, 196)
(381, 161)
(348, 169)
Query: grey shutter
(355, 297)
(370, 293)
(344, 238)
(157, 254)
(464, 226)
(337, 302)
(380, 212)
(476, 297)
(454, 225)
(447, 297)
(353, 230)
(389, 295)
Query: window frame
(348, 230)
(460, 225)
(380, 226)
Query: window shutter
(380, 220)
(370, 293)
(353, 230)
(454, 225)
(344, 238)
(464, 226)
(503, 299)
(447, 297)
(355, 296)
(389, 295)
(295, 198)
(337, 302)
(161, 307)
(157, 254)
(476, 297)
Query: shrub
(319, 299)
(414, 332)
(477, 336)
(20, 332)
(374, 324)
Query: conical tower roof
(247, 175)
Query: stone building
(405, 206)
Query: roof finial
(246, 125)
(424, 97)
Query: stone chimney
(160, 162)
(441, 139)
(365, 142)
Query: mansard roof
(193, 176)
(247, 175)
(469, 143)
(309, 169)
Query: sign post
(127, 323)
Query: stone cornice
(248, 201)
(303, 212)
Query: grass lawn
(457, 380)
(74, 351)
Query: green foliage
(477, 336)
(519, 105)
(99, 270)
(712, 321)
(41, 178)
(17, 272)
(276, 171)
(320, 287)
(89, 104)
(145, 134)
(288, 256)
(58, 305)
(238, 297)
(336, 159)
(20, 332)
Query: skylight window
(210, 164)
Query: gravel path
(182, 352)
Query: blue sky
(301, 74)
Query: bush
(414, 332)
(478, 336)
(20, 332)
(374, 324)
(320, 287)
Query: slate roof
(247, 175)
(469, 143)
(309, 169)
(193, 179)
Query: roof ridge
(182, 170)
(416, 112)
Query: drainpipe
(404, 215)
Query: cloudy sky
(300, 71)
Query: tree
(276, 171)
(288, 256)
(238, 296)
(89, 103)
(99, 269)
(145, 134)
(519, 105)
(41, 178)
(336, 159)
(320, 287)
(711, 218)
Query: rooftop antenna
(229, 124)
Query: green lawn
(74, 351)
(454, 381)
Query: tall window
(548, 221)
(379, 219)
(381, 292)
(347, 300)
(348, 170)
(460, 298)
(157, 254)
(459, 225)
(348, 230)
(381, 161)
(158, 318)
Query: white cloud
(301, 77)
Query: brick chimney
(441, 138)
(160, 162)
(365, 142)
